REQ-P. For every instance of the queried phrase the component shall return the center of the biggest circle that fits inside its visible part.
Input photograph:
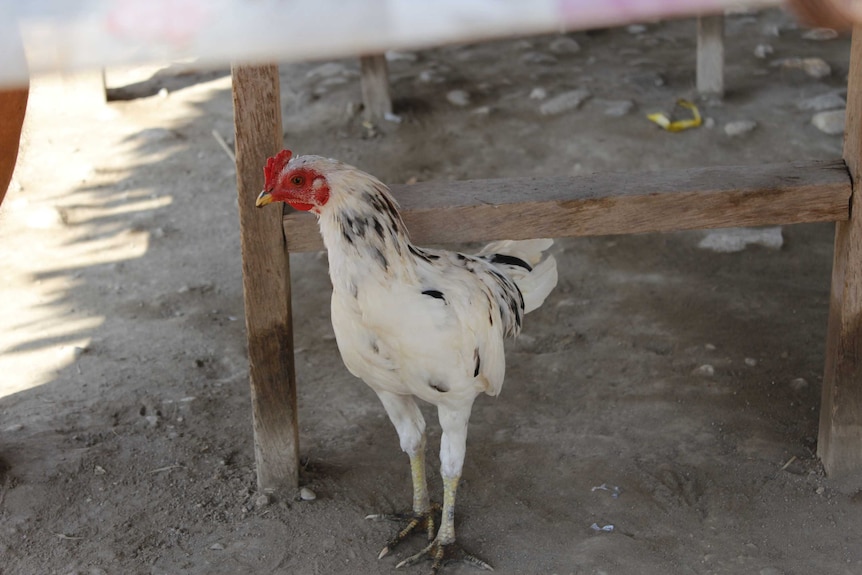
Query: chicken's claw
(424, 521)
(442, 553)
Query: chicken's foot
(443, 549)
(442, 553)
(417, 522)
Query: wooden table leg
(375, 86)
(266, 281)
(840, 441)
(710, 55)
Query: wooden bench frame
(549, 207)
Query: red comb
(275, 165)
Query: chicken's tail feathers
(538, 284)
(528, 250)
(536, 281)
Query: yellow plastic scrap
(678, 125)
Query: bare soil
(125, 432)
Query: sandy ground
(125, 433)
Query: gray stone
(739, 128)
(828, 101)
(565, 102)
(830, 122)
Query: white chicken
(414, 322)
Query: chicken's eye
(297, 180)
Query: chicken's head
(296, 183)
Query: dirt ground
(685, 381)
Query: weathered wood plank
(266, 282)
(611, 203)
(374, 78)
(710, 55)
(840, 441)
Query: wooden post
(375, 86)
(266, 281)
(840, 441)
(710, 55)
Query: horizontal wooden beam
(611, 203)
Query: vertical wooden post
(710, 55)
(266, 281)
(840, 441)
(375, 86)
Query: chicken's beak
(263, 199)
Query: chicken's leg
(453, 446)
(410, 425)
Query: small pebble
(739, 128)
(798, 384)
(635, 28)
(217, 547)
(538, 94)
(828, 101)
(814, 67)
(820, 34)
(307, 494)
(830, 122)
(564, 45)
(458, 98)
(710, 347)
(618, 108)
(565, 102)
(262, 501)
(706, 370)
(538, 58)
(763, 50)
(750, 361)
(820, 490)
(153, 420)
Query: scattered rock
(820, 34)
(153, 420)
(458, 98)
(709, 123)
(763, 50)
(635, 28)
(739, 128)
(830, 122)
(262, 501)
(538, 94)
(729, 240)
(814, 67)
(828, 101)
(327, 70)
(750, 361)
(710, 347)
(217, 547)
(798, 384)
(307, 494)
(705, 370)
(99, 470)
(538, 58)
(772, 30)
(13, 428)
(564, 45)
(565, 102)
(618, 108)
